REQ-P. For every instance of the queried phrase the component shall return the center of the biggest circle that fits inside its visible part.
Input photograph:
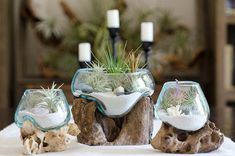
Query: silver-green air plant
(97, 78)
(51, 97)
(116, 70)
(49, 27)
(179, 96)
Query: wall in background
(4, 52)
(184, 10)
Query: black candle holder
(147, 47)
(113, 32)
(84, 64)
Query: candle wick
(177, 82)
(177, 87)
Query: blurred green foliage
(170, 36)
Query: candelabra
(147, 47)
(83, 64)
(113, 32)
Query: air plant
(50, 96)
(115, 66)
(44, 98)
(134, 60)
(181, 42)
(117, 70)
(178, 96)
(97, 78)
(125, 62)
(51, 27)
(167, 23)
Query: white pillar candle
(84, 52)
(113, 18)
(147, 32)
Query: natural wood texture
(172, 140)
(36, 141)
(230, 19)
(219, 47)
(96, 129)
(220, 39)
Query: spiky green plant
(125, 63)
(115, 66)
(50, 96)
(133, 60)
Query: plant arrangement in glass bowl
(185, 128)
(183, 105)
(116, 85)
(46, 109)
(43, 117)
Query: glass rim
(181, 83)
(138, 71)
(29, 118)
(40, 89)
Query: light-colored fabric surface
(10, 144)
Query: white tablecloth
(10, 144)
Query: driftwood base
(172, 140)
(36, 141)
(96, 129)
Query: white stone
(119, 91)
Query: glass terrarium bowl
(183, 105)
(114, 93)
(45, 109)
